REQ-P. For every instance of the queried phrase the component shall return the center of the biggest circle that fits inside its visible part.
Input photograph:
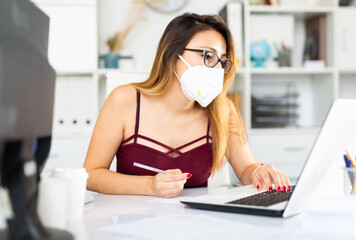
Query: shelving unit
(299, 11)
(286, 148)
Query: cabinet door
(72, 36)
(288, 153)
(347, 38)
(67, 153)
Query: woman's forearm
(106, 181)
(247, 173)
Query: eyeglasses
(211, 59)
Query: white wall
(143, 39)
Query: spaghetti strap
(137, 114)
(136, 135)
(207, 134)
(187, 144)
(176, 150)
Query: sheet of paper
(192, 226)
(187, 194)
(89, 197)
(333, 216)
(175, 200)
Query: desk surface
(109, 210)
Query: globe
(260, 52)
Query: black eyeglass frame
(207, 51)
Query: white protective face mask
(201, 83)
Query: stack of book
(275, 110)
(315, 42)
(265, 2)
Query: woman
(178, 120)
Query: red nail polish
(279, 189)
(270, 189)
(189, 175)
(285, 188)
(258, 187)
(289, 187)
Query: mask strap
(176, 74)
(181, 58)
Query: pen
(348, 155)
(348, 165)
(354, 192)
(149, 168)
(347, 161)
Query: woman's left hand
(268, 175)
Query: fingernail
(270, 189)
(289, 187)
(285, 188)
(258, 187)
(279, 189)
(189, 175)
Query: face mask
(201, 83)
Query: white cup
(52, 202)
(76, 179)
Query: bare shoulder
(122, 97)
(120, 105)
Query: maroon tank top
(197, 161)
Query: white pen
(149, 168)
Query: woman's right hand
(169, 185)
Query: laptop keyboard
(264, 199)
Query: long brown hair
(176, 36)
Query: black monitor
(27, 84)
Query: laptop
(337, 133)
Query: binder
(232, 14)
(59, 112)
(81, 103)
(86, 103)
(74, 105)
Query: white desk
(108, 210)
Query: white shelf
(104, 71)
(75, 73)
(65, 2)
(292, 10)
(346, 7)
(347, 71)
(287, 70)
(282, 131)
(72, 134)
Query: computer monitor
(27, 84)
